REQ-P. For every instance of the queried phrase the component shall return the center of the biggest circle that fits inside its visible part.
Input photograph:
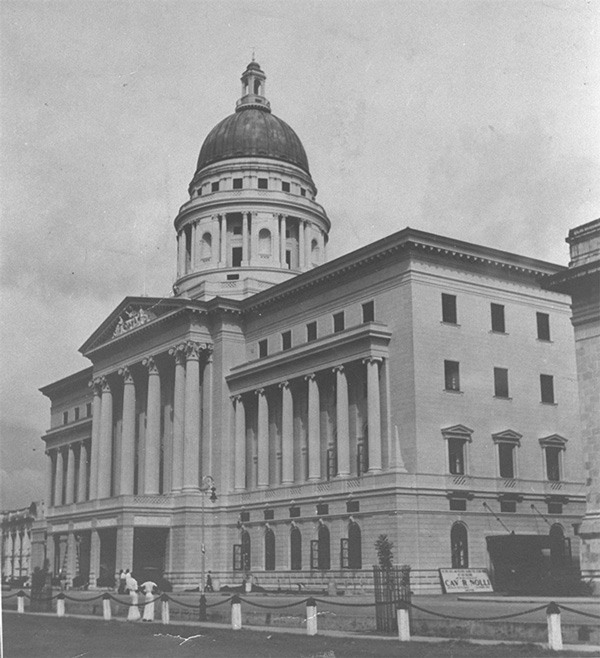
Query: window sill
(452, 390)
(450, 324)
(498, 333)
(548, 341)
(549, 404)
(503, 397)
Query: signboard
(465, 580)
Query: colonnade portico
(67, 474)
(284, 395)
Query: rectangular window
(245, 516)
(543, 326)
(506, 456)
(458, 504)
(233, 277)
(214, 187)
(65, 417)
(552, 463)
(449, 308)
(269, 514)
(199, 192)
(498, 318)
(76, 413)
(263, 183)
(555, 508)
(508, 506)
(547, 389)
(314, 554)
(451, 376)
(237, 229)
(294, 512)
(263, 348)
(344, 553)
(322, 509)
(237, 557)
(238, 183)
(236, 257)
(456, 456)
(338, 322)
(285, 187)
(286, 340)
(88, 410)
(302, 192)
(352, 506)
(501, 382)
(368, 312)
(311, 331)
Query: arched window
(206, 247)
(257, 87)
(557, 547)
(354, 546)
(459, 545)
(324, 559)
(315, 253)
(269, 550)
(245, 550)
(264, 242)
(295, 549)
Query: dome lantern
(253, 89)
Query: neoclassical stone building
(17, 541)
(420, 386)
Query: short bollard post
(202, 609)
(555, 641)
(164, 611)
(21, 601)
(403, 621)
(60, 605)
(236, 613)
(106, 612)
(311, 617)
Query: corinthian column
(105, 442)
(95, 446)
(245, 240)
(70, 488)
(341, 413)
(223, 258)
(127, 434)
(178, 417)
(373, 413)
(152, 446)
(263, 438)
(191, 450)
(49, 478)
(58, 480)
(283, 239)
(287, 434)
(83, 473)
(314, 430)
(240, 443)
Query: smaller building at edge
(279, 412)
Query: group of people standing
(127, 584)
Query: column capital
(259, 391)
(341, 369)
(373, 359)
(284, 385)
(150, 363)
(192, 350)
(105, 385)
(96, 385)
(236, 398)
(126, 374)
(178, 353)
(310, 378)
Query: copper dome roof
(252, 132)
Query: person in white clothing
(150, 589)
(131, 585)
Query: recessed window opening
(206, 246)
(214, 187)
(237, 228)
(257, 87)
(288, 259)
(555, 508)
(451, 376)
(456, 456)
(285, 187)
(76, 413)
(459, 546)
(295, 549)
(509, 506)
(354, 546)
(449, 308)
(263, 183)
(302, 192)
(543, 326)
(553, 463)
(311, 331)
(238, 183)
(368, 311)
(65, 417)
(236, 256)
(458, 504)
(338, 322)
(500, 382)
(497, 311)
(233, 277)
(506, 457)
(286, 340)
(547, 389)
(315, 252)
(88, 410)
(263, 348)
(199, 192)
(269, 550)
(264, 242)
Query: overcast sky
(477, 120)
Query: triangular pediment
(554, 440)
(457, 432)
(130, 316)
(507, 436)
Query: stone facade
(17, 542)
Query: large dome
(252, 132)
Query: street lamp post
(208, 485)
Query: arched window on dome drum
(264, 242)
(354, 546)
(257, 87)
(269, 550)
(206, 247)
(295, 549)
(315, 253)
(459, 546)
(245, 550)
(188, 248)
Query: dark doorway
(236, 257)
(149, 553)
(354, 546)
(108, 557)
(269, 550)
(295, 549)
(245, 550)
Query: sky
(477, 120)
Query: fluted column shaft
(58, 480)
(181, 253)
(240, 443)
(105, 442)
(223, 258)
(373, 414)
(50, 464)
(287, 434)
(263, 438)
(83, 473)
(152, 445)
(342, 422)
(70, 488)
(245, 240)
(301, 245)
(283, 239)
(191, 461)
(307, 246)
(178, 417)
(127, 434)
(314, 430)
(95, 446)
